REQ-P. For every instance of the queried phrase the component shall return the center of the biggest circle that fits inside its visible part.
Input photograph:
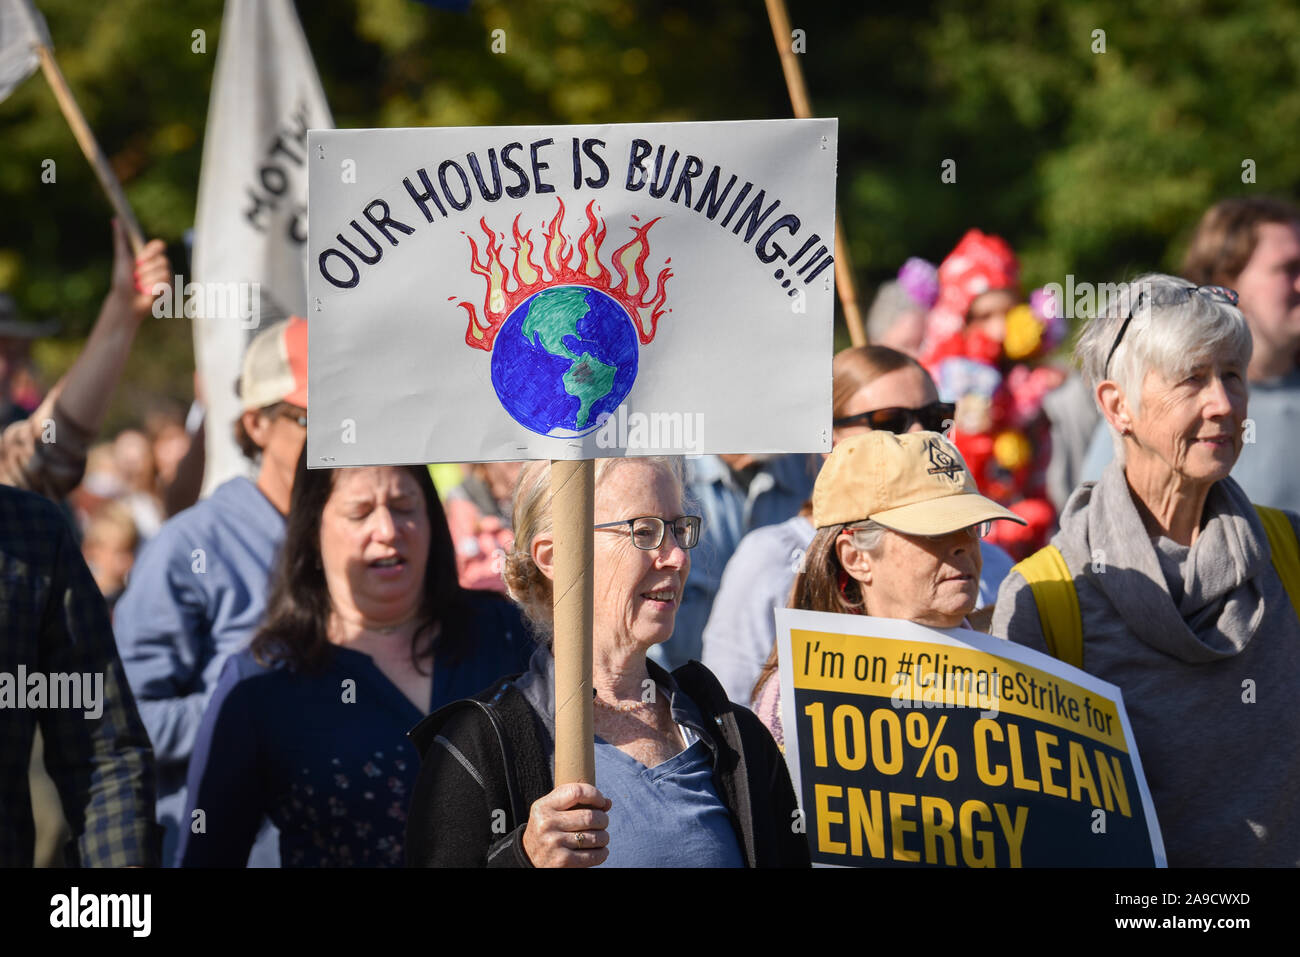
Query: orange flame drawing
(564, 263)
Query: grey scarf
(1226, 573)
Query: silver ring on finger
(581, 835)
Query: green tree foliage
(1090, 162)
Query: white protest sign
(910, 745)
(250, 225)
(570, 292)
(22, 30)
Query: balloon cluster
(990, 363)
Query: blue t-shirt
(667, 816)
(326, 756)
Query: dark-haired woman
(367, 631)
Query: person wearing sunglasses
(873, 388)
(1184, 594)
(686, 778)
(932, 417)
(899, 522)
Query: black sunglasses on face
(935, 417)
(1215, 293)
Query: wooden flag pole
(780, 20)
(573, 497)
(89, 146)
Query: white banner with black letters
(570, 292)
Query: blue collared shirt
(196, 596)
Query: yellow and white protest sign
(911, 745)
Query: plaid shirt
(53, 620)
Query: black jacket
(487, 759)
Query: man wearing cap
(198, 590)
(46, 451)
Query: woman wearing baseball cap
(899, 521)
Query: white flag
(250, 234)
(22, 29)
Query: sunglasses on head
(1213, 293)
(935, 417)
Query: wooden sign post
(40, 41)
(844, 284)
(573, 493)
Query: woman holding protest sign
(687, 778)
(899, 521)
(874, 387)
(1169, 583)
(367, 630)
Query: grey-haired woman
(687, 779)
(1181, 602)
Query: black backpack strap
(518, 813)
(424, 734)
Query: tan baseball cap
(914, 483)
(275, 366)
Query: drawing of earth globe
(564, 357)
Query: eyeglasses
(1214, 293)
(934, 417)
(648, 531)
(293, 415)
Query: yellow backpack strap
(1052, 584)
(1286, 551)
